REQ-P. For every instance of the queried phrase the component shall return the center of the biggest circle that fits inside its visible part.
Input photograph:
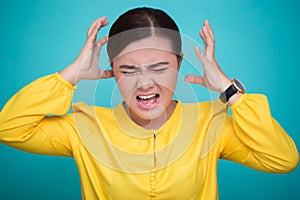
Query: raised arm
(252, 136)
(25, 121)
(255, 139)
(213, 78)
(86, 64)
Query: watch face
(239, 85)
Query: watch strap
(229, 92)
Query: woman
(150, 146)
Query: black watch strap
(225, 96)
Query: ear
(180, 58)
(113, 69)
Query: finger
(93, 35)
(200, 55)
(107, 74)
(203, 37)
(195, 80)
(210, 30)
(102, 41)
(97, 49)
(210, 41)
(100, 23)
(103, 20)
(208, 37)
(209, 48)
(91, 28)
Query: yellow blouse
(119, 160)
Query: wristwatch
(236, 87)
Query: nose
(145, 82)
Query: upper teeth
(147, 97)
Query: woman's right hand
(86, 64)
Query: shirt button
(152, 195)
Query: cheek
(126, 86)
(168, 80)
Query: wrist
(233, 92)
(71, 74)
(234, 98)
(226, 83)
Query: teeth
(147, 97)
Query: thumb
(195, 80)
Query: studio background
(256, 41)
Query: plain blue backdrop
(256, 41)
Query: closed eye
(129, 72)
(159, 70)
(128, 69)
(132, 70)
(158, 67)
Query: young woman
(150, 146)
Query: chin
(157, 112)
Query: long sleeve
(25, 121)
(255, 139)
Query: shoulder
(211, 115)
(90, 114)
(207, 108)
(82, 107)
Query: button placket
(152, 178)
(152, 191)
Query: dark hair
(140, 23)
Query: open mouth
(148, 101)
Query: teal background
(256, 41)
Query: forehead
(146, 51)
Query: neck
(155, 123)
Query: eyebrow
(157, 64)
(149, 66)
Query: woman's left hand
(214, 78)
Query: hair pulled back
(140, 23)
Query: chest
(185, 178)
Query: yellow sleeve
(253, 138)
(25, 122)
